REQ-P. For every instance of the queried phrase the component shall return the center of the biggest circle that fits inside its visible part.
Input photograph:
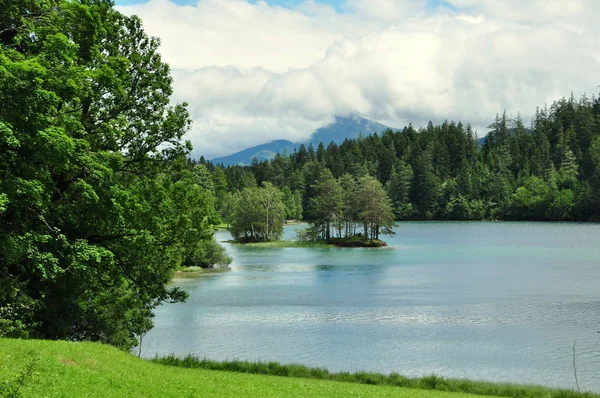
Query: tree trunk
(267, 237)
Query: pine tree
(398, 189)
(426, 187)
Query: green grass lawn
(63, 369)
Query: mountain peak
(345, 127)
(342, 128)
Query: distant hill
(261, 152)
(343, 127)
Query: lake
(496, 301)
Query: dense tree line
(98, 206)
(549, 170)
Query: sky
(254, 70)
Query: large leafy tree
(94, 211)
(258, 214)
(375, 208)
(327, 205)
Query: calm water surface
(493, 301)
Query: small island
(345, 212)
(356, 241)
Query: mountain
(344, 127)
(261, 152)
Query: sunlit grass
(64, 369)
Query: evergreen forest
(548, 170)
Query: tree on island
(258, 215)
(375, 208)
(326, 206)
(339, 206)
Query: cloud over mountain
(255, 72)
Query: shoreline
(431, 382)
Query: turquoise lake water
(482, 300)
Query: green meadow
(42, 368)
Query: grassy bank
(431, 382)
(37, 368)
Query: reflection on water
(494, 301)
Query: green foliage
(207, 254)
(97, 206)
(292, 203)
(374, 208)
(220, 187)
(398, 188)
(530, 201)
(562, 206)
(338, 207)
(461, 208)
(228, 207)
(258, 214)
(426, 188)
(3, 202)
(327, 204)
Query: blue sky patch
(337, 4)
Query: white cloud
(254, 72)
(237, 33)
(387, 10)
